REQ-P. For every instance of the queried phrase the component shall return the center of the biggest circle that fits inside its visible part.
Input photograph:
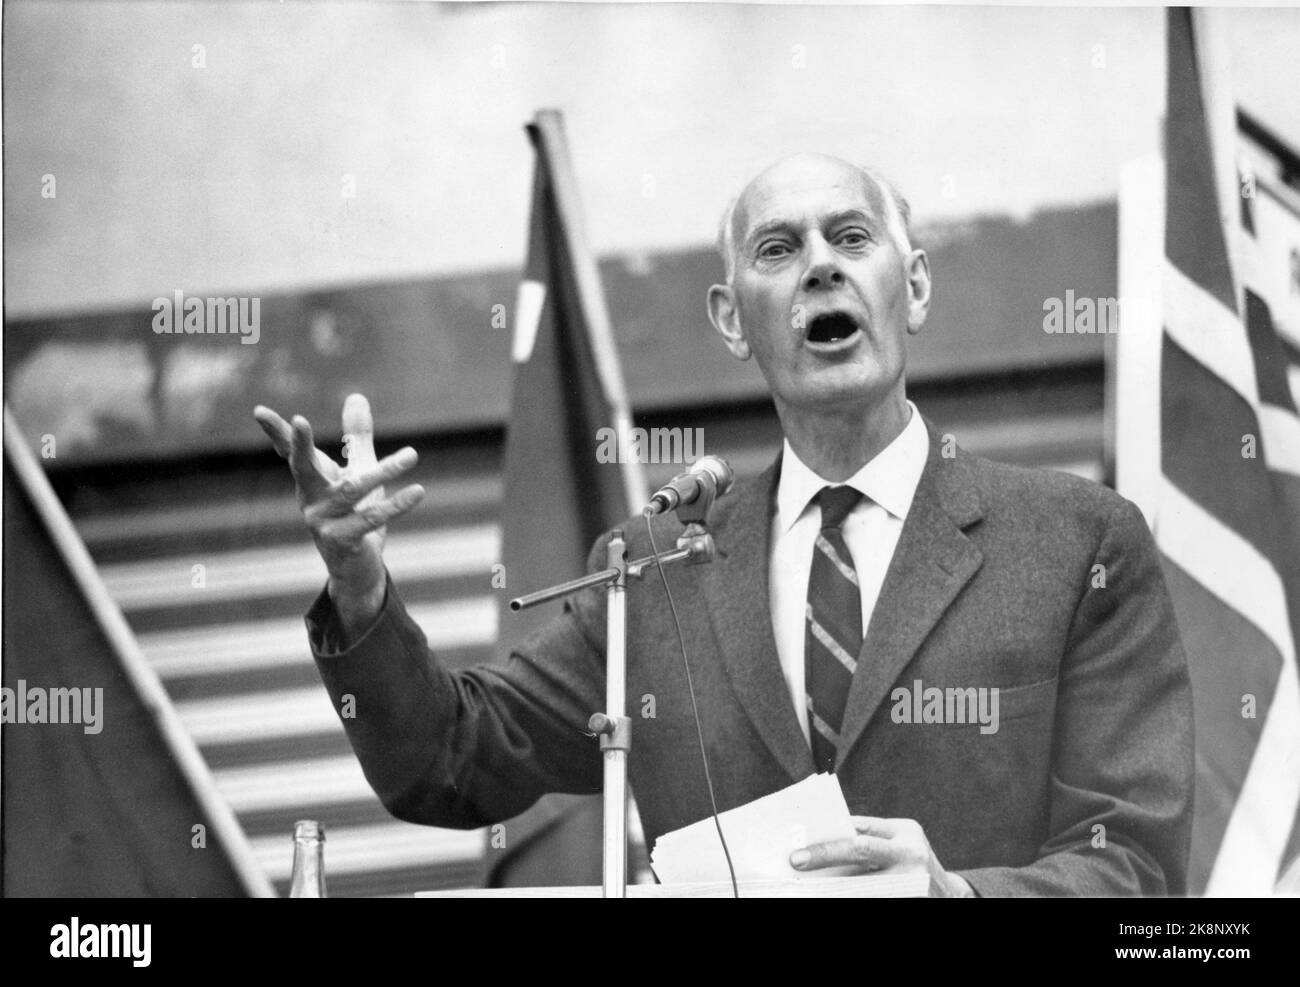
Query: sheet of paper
(761, 835)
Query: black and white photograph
(530, 449)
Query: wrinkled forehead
(802, 191)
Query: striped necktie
(833, 626)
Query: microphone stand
(695, 545)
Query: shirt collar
(890, 479)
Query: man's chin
(836, 388)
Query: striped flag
(1212, 453)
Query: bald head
(805, 170)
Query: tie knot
(836, 503)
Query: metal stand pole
(613, 726)
(616, 737)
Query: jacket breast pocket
(1036, 700)
(981, 709)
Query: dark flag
(565, 480)
(105, 795)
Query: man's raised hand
(344, 506)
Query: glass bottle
(308, 860)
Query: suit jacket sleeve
(1123, 763)
(469, 748)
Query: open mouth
(831, 328)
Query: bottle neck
(308, 868)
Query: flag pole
(552, 145)
(613, 726)
(1213, 61)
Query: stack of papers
(760, 835)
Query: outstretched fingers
(361, 521)
(307, 463)
(347, 503)
(359, 482)
(276, 429)
(358, 432)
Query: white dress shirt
(871, 532)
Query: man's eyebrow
(771, 226)
(835, 219)
(831, 219)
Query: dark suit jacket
(1085, 788)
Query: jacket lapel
(931, 564)
(739, 605)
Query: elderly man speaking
(873, 567)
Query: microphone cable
(695, 709)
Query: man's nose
(823, 266)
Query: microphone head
(719, 469)
(659, 504)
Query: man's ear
(726, 319)
(917, 269)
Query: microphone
(709, 476)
